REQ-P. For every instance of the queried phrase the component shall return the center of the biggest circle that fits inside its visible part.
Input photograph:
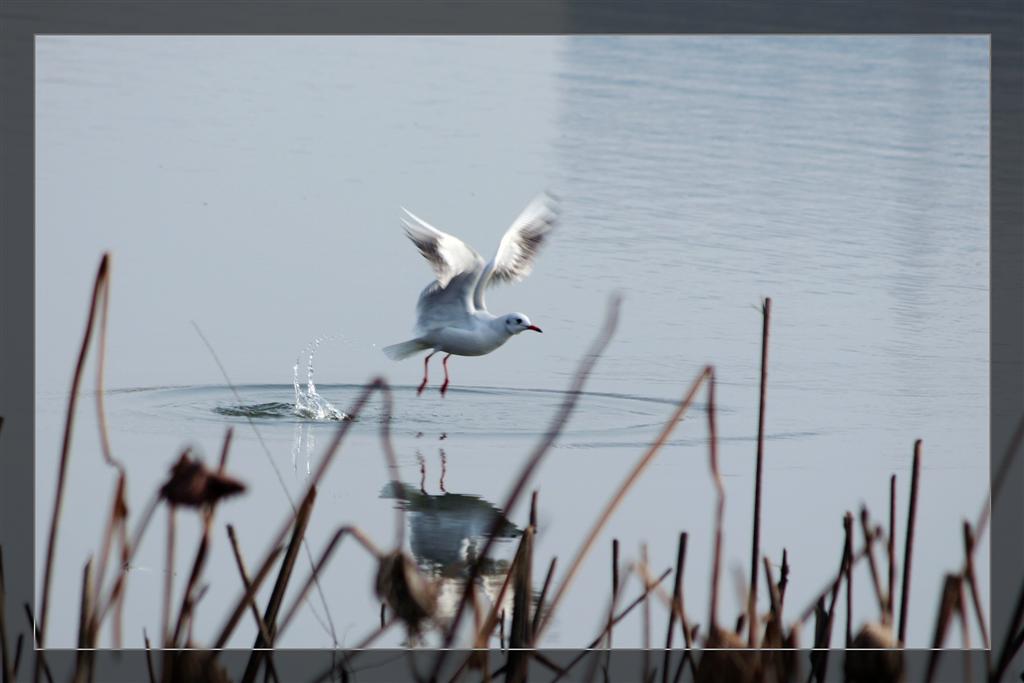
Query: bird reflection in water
(447, 531)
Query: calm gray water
(253, 185)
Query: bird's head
(517, 322)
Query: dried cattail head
(725, 660)
(409, 594)
(191, 483)
(873, 656)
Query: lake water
(253, 186)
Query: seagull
(451, 315)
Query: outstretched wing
(519, 246)
(448, 301)
(447, 254)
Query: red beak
(534, 328)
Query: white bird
(451, 315)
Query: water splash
(308, 403)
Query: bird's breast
(469, 342)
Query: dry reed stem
(783, 577)
(615, 587)
(117, 517)
(908, 549)
(208, 512)
(947, 605)
(520, 633)
(8, 667)
(677, 593)
(644, 562)
(165, 629)
(972, 583)
(117, 589)
(101, 276)
(17, 653)
(876, 581)
(819, 658)
(1000, 476)
(488, 624)
(232, 620)
(554, 429)
(261, 625)
(719, 505)
(890, 594)
(848, 553)
(649, 586)
(325, 556)
(277, 595)
(247, 582)
(1013, 641)
(82, 658)
(40, 652)
(755, 551)
(149, 657)
(543, 595)
(613, 503)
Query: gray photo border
(21, 20)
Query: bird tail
(405, 349)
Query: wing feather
(448, 301)
(520, 244)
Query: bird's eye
(519, 320)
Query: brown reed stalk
(520, 633)
(783, 577)
(8, 667)
(617, 497)
(965, 629)
(719, 506)
(318, 568)
(83, 657)
(1013, 641)
(165, 629)
(755, 551)
(869, 540)
(908, 550)
(848, 553)
(677, 600)
(247, 596)
(972, 583)
(116, 591)
(40, 652)
(17, 654)
(823, 639)
(1000, 476)
(644, 562)
(947, 605)
(198, 563)
(277, 595)
(51, 544)
(115, 523)
(543, 595)
(648, 587)
(486, 627)
(890, 594)
(561, 417)
(615, 586)
(247, 582)
(149, 657)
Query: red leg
(423, 384)
(444, 387)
